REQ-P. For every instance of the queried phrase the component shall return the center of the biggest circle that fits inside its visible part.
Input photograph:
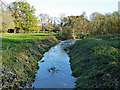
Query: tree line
(21, 17)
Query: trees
(103, 24)
(79, 24)
(46, 22)
(61, 21)
(42, 20)
(6, 20)
(97, 23)
(67, 32)
(50, 25)
(24, 17)
(115, 23)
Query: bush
(67, 33)
(80, 36)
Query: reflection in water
(55, 71)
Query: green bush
(67, 33)
(80, 36)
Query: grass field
(26, 36)
(95, 62)
(9, 40)
(20, 54)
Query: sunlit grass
(26, 36)
(20, 53)
(11, 40)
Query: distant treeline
(21, 17)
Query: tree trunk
(73, 34)
(15, 30)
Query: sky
(56, 8)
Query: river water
(54, 68)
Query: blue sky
(72, 7)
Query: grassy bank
(20, 53)
(95, 62)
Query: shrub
(67, 32)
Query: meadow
(9, 40)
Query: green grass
(20, 54)
(95, 61)
(10, 40)
(26, 36)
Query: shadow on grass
(13, 43)
(10, 41)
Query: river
(54, 68)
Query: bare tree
(61, 22)
(43, 19)
(6, 19)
